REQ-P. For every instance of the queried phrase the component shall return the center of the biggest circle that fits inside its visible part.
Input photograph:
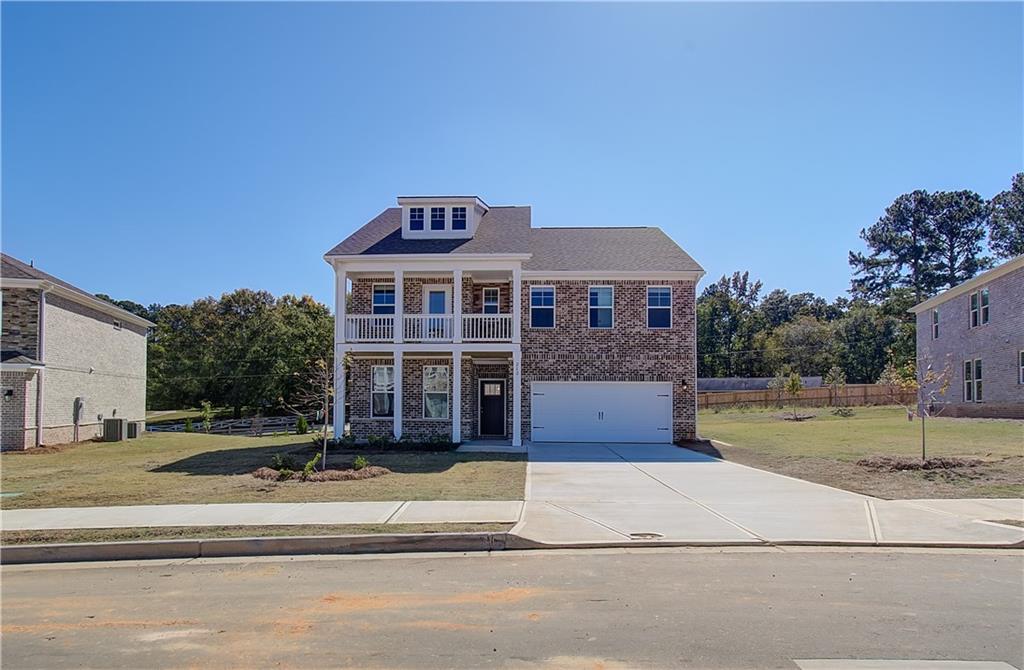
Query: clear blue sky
(162, 152)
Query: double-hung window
(1020, 367)
(382, 391)
(383, 299)
(492, 297)
(602, 313)
(435, 392)
(972, 380)
(935, 324)
(415, 218)
(437, 218)
(659, 307)
(542, 307)
(458, 218)
(979, 308)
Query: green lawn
(825, 449)
(165, 468)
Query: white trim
(74, 296)
(1020, 366)
(373, 292)
(447, 394)
(935, 323)
(20, 367)
(975, 364)
(554, 305)
(971, 284)
(483, 299)
(605, 275)
(387, 261)
(394, 392)
(444, 288)
(590, 307)
(480, 405)
(441, 348)
(648, 308)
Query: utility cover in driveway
(601, 412)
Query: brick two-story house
(976, 329)
(466, 321)
(69, 360)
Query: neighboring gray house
(69, 360)
(978, 329)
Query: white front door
(601, 411)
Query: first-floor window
(435, 392)
(972, 381)
(1020, 374)
(382, 394)
(659, 307)
(601, 310)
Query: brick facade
(997, 344)
(412, 303)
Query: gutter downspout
(41, 356)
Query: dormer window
(437, 218)
(415, 218)
(458, 218)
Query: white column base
(517, 398)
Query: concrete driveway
(606, 493)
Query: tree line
(922, 244)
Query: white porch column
(517, 398)
(457, 306)
(399, 308)
(340, 304)
(456, 396)
(398, 395)
(517, 304)
(340, 292)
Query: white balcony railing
(487, 327)
(429, 327)
(369, 328)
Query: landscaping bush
(301, 426)
(843, 411)
(368, 472)
(188, 426)
(310, 467)
(360, 462)
(282, 462)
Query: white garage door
(601, 411)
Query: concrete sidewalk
(265, 514)
(587, 494)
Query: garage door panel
(601, 412)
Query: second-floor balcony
(428, 328)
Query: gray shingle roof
(506, 230)
(12, 268)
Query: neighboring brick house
(977, 329)
(464, 321)
(69, 360)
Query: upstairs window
(491, 300)
(383, 298)
(382, 392)
(542, 307)
(458, 218)
(935, 324)
(437, 218)
(984, 305)
(979, 308)
(659, 307)
(117, 324)
(415, 218)
(602, 313)
(435, 392)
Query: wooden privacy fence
(850, 395)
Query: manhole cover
(645, 536)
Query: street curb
(387, 544)
(251, 546)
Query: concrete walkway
(580, 494)
(265, 514)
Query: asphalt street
(661, 608)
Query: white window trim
(974, 380)
(447, 394)
(935, 323)
(393, 392)
(117, 324)
(984, 310)
(450, 217)
(647, 314)
(373, 292)
(553, 308)
(480, 403)
(973, 311)
(446, 288)
(423, 211)
(429, 219)
(483, 299)
(590, 308)
(1020, 365)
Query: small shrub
(309, 468)
(360, 462)
(189, 428)
(284, 475)
(282, 462)
(302, 426)
(206, 412)
(843, 411)
(380, 441)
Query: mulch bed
(897, 463)
(349, 474)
